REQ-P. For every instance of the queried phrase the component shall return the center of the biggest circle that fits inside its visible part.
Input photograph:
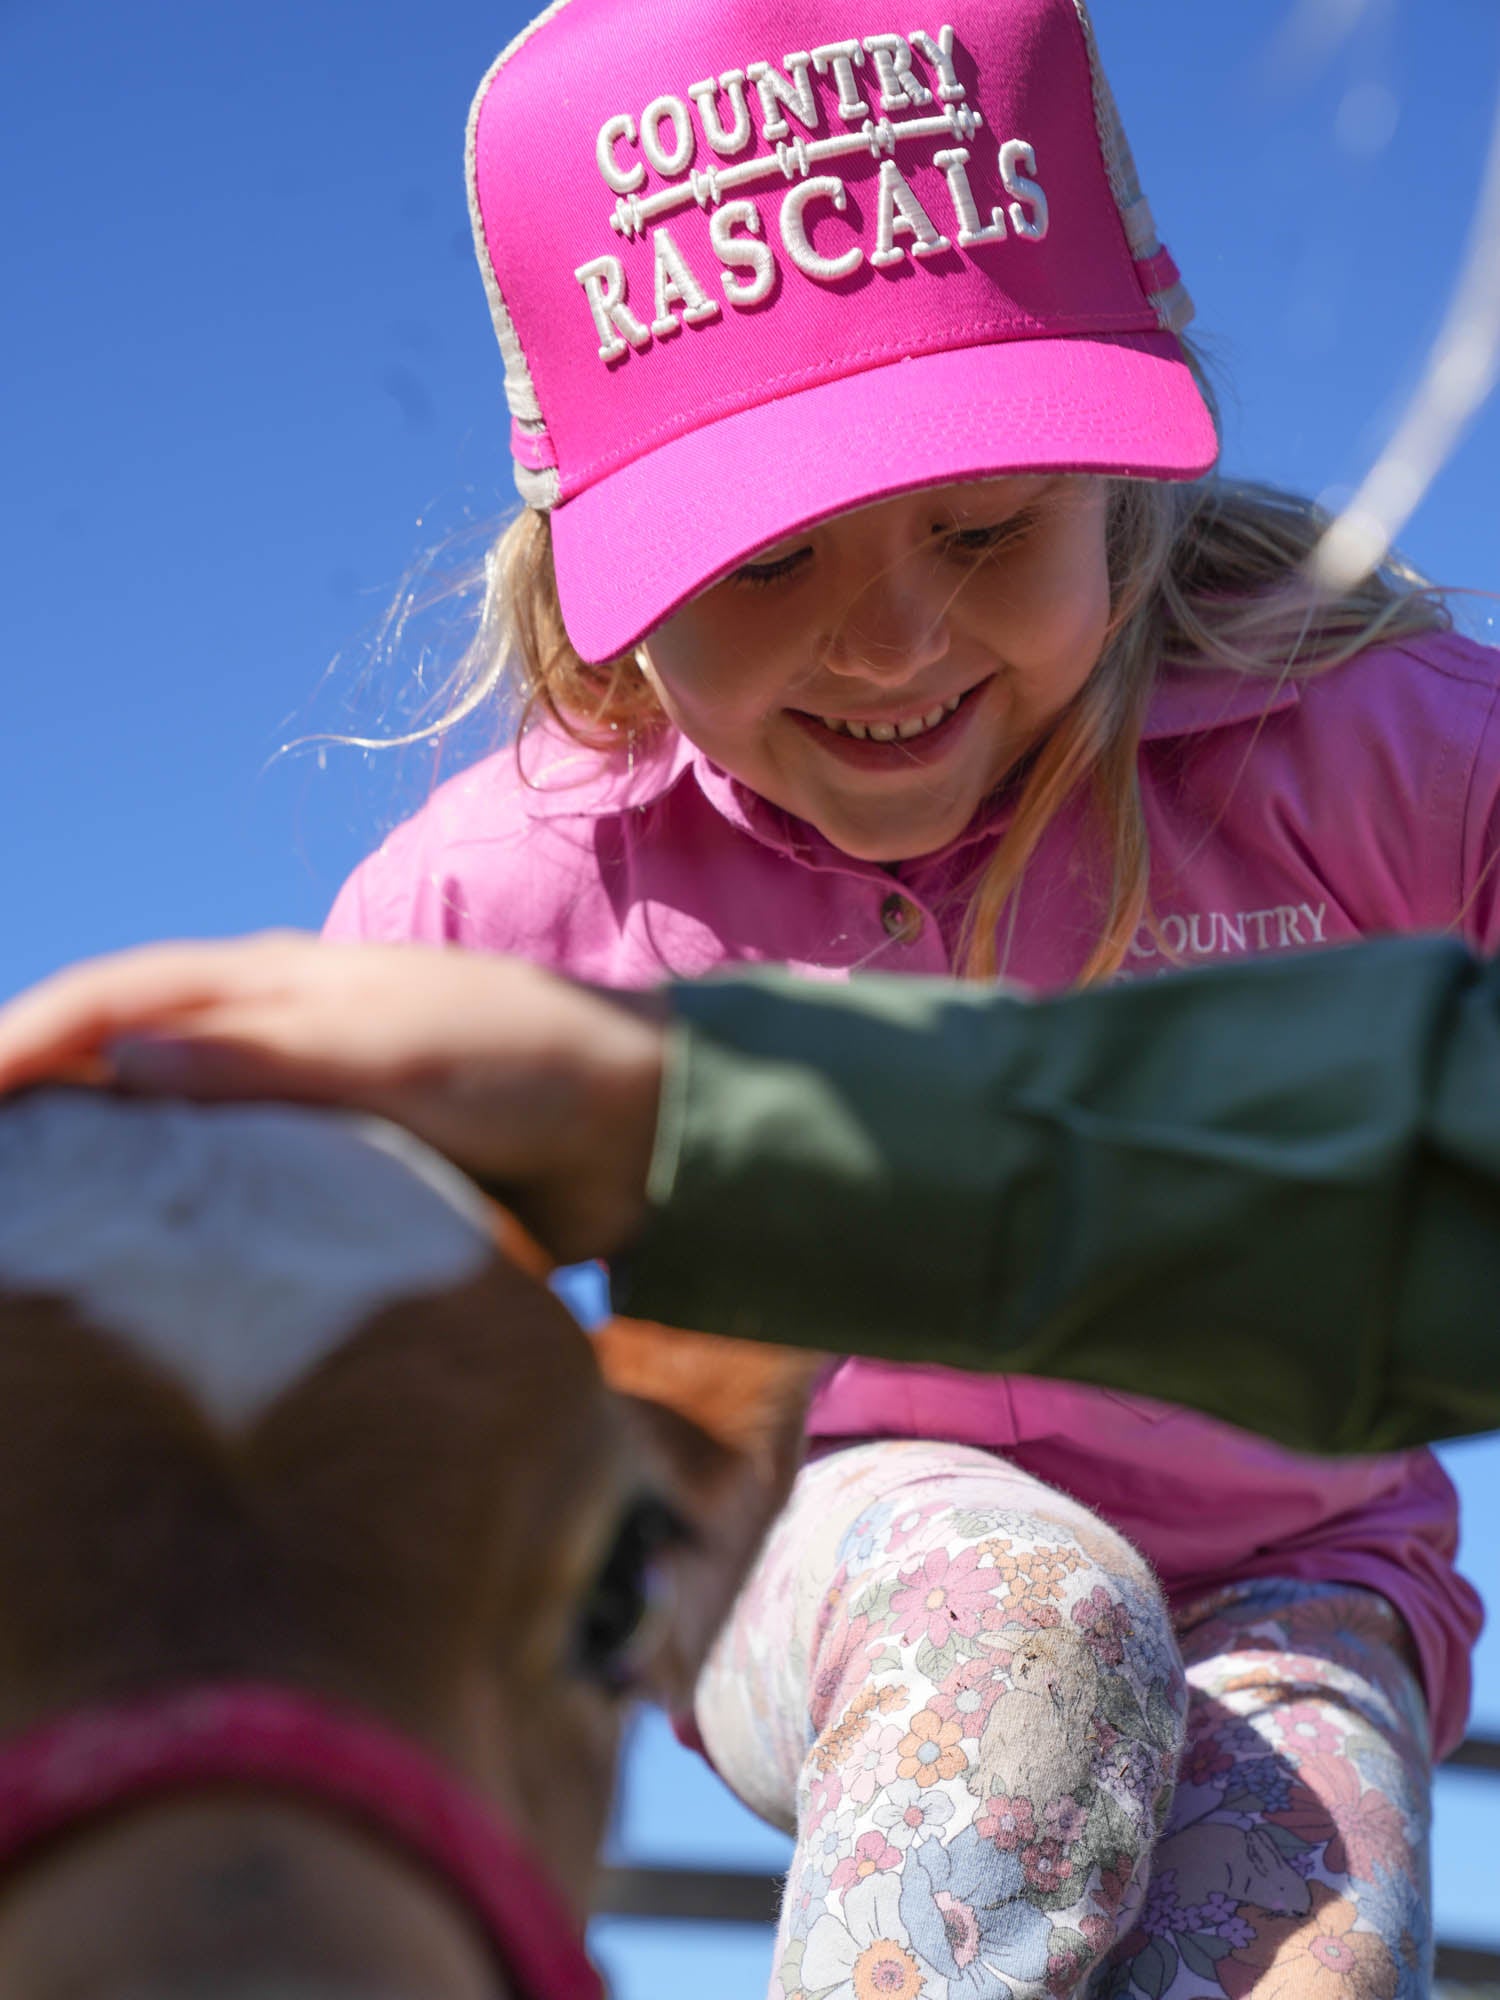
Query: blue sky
(247, 378)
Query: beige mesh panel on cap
(1174, 306)
(538, 488)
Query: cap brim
(638, 543)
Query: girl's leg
(1294, 1862)
(961, 1691)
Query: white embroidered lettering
(603, 282)
(795, 92)
(705, 96)
(900, 213)
(666, 111)
(842, 58)
(790, 158)
(940, 54)
(622, 179)
(1227, 933)
(823, 187)
(672, 139)
(899, 86)
(743, 253)
(1017, 163)
(954, 163)
(676, 285)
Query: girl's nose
(894, 625)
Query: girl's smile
(891, 740)
(878, 674)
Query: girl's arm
(1271, 1190)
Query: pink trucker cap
(755, 262)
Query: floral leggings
(1011, 1772)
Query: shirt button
(901, 919)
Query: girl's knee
(995, 1719)
(1040, 1639)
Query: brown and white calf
(274, 1412)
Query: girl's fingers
(526, 1081)
(63, 1028)
(283, 1051)
(287, 1044)
(213, 1064)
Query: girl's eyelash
(977, 541)
(757, 575)
(984, 540)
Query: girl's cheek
(719, 656)
(1049, 631)
(1070, 601)
(714, 707)
(1035, 610)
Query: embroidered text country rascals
(719, 239)
(917, 97)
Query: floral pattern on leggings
(965, 1694)
(1294, 1860)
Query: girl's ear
(723, 1420)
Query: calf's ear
(519, 1247)
(722, 1422)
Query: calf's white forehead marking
(237, 1245)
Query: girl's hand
(544, 1090)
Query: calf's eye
(612, 1635)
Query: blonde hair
(1211, 575)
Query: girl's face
(879, 673)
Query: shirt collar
(1191, 701)
(566, 779)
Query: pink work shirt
(1364, 801)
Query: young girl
(873, 608)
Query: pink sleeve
(1481, 855)
(472, 868)
(398, 893)
(348, 920)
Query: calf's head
(274, 1409)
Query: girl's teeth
(920, 722)
(890, 732)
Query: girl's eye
(760, 573)
(984, 541)
(612, 1634)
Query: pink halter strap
(94, 1762)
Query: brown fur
(412, 1525)
(725, 1418)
